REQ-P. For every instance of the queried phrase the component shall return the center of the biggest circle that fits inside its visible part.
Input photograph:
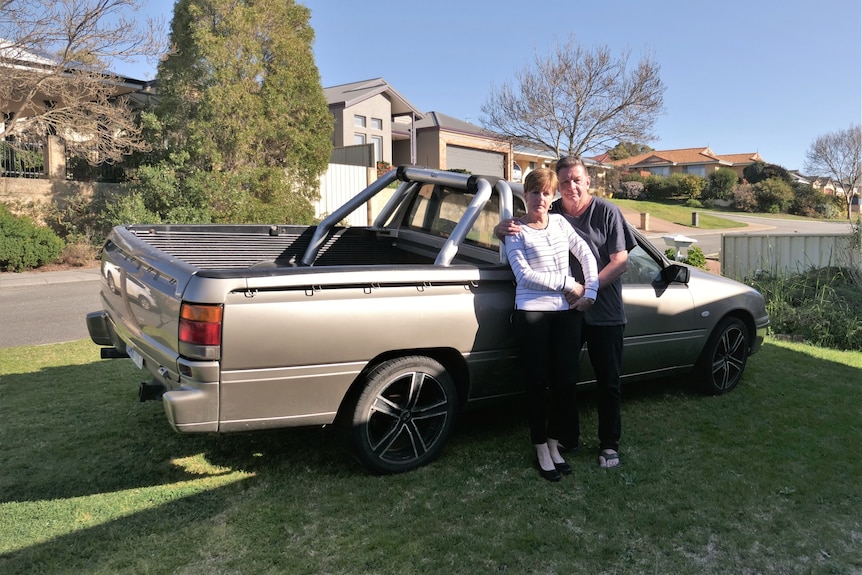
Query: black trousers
(550, 359)
(605, 349)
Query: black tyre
(723, 359)
(144, 302)
(112, 285)
(403, 415)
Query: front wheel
(403, 415)
(723, 359)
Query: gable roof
(686, 156)
(673, 157)
(357, 92)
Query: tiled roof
(748, 158)
(681, 156)
(686, 156)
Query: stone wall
(20, 194)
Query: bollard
(645, 221)
(695, 219)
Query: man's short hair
(568, 162)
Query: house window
(376, 124)
(660, 170)
(378, 148)
(358, 139)
(696, 170)
(359, 121)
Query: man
(604, 228)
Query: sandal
(609, 459)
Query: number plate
(136, 357)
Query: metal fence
(747, 255)
(24, 160)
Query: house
(451, 144)
(373, 112)
(365, 112)
(698, 161)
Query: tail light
(200, 324)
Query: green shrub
(744, 199)
(773, 195)
(822, 307)
(658, 188)
(687, 185)
(25, 245)
(721, 184)
(696, 257)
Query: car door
(661, 333)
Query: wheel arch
(747, 319)
(451, 359)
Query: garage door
(478, 162)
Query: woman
(548, 326)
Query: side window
(643, 269)
(437, 210)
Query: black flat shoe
(563, 449)
(550, 474)
(563, 468)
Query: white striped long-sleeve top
(540, 261)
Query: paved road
(46, 307)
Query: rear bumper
(193, 409)
(192, 403)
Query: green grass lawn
(680, 214)
(766, 479)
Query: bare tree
(56, 58)
(577, 100)
(839, 156)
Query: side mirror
(675, 273)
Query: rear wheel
(723, 359)
(403, 416)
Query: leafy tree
(56, 58)
(838, 155)
(625, 150)
(759, 171)
(721, 184)
(773, 195)
(242, 97)
(576, 100)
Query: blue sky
(741, 76)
